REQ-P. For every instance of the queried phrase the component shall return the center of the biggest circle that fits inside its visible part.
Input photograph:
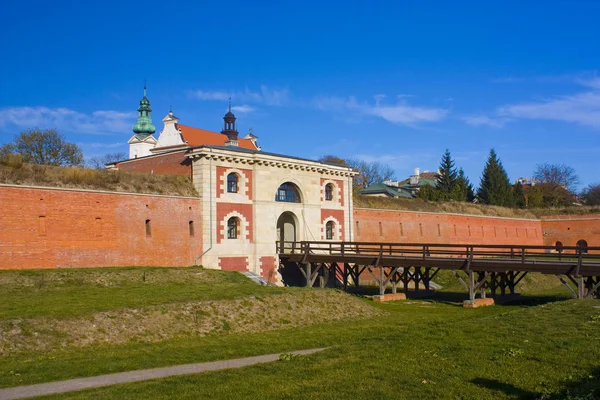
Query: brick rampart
(390, 226)
(569, 229)
(49, 228)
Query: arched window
(232, 183)
(232, 228)
(582, 246)
(329, 192)
(288, 192)
(329, 227)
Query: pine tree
(466, 189)
(495, 188)
(520, 200)
(446, 181)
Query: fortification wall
(569, 229)
(49, 228)
(371, 225)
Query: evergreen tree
(520, 200)
(495, 188)
(466, 192)
(446, 181)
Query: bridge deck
(575, 263)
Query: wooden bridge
(482, 269)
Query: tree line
(552, 185)
(555, 184)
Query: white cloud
(484, 120)
(96, 123)
(581, 108)
(399, 113)
(217, 95)
(243, 109)
(265, 95)
(592, 82)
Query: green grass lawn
(538, 348)
(73, 292)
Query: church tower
(142, 140)
(229, 128)
(144, 126)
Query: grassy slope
(75, 292)
(458, 207)
(418, 349)
(95, 179)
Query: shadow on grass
(457, 298)
(584, 389)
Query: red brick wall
(168, 164)
(568, 229)
(268, 264)
(233, 263)
(222, 181)
(223, 209)
(48, 228)
(414, 227)
(338, 215)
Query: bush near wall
(14, 171)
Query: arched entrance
(286, 231)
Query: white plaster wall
(266, 179)
(140, 149)
(169, 136)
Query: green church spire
(143, 126)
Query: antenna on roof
(229, 103)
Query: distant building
(407, 188)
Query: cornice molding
(271, 161)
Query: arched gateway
(287, 228)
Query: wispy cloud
(265, 95)
(208, 95)
(581, 108)
(484, 120)
(400, 113)
(243, 109)
(96, 123)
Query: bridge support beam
(582, 287)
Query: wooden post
(381, 282)
(308, 274)
(346, 276)
(471, 285)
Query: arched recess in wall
(288, 192)
(287, 231)
(582, 246)
(558, 246)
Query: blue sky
(397, 82)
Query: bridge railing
(581, 254)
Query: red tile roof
(198, 137)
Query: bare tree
(331, 159)
(557, 181)
(370, 173)
(101, 161)
(591, 194)
(47, 147)
(557, 174)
